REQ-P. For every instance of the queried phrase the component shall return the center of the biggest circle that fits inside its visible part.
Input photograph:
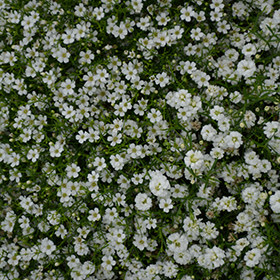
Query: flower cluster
(139, 139)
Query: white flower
(249, 49)
(196, 34)
(162, 19)
(33, 154)
(274, 201)
(250, 194)
(61, 232)
(80, 10)
(28, 22)
(64, 194)
(9, 222)
(49, 78)
(14, 159)
(268, 24)
(155, 115)
(170, 269)
(101, 75)
(110, 215)
(213, 258)
(228, 203)
(151, 223)
(177, 243)
(144, 23)
(217, 112)
(24, 111)
(83, 232)
(217, 5)
(194, 159)
(82, 136)
(98, 13)
(234, 140)
(189, 49)
(232, 54)
(140, 241)
(272, 129)
(62, 55)
(187, 13)
(115, 139)
(117, 235)
(86, 57)
(9, 57)
(217, 153)
(26, 135)
(162, 79)
(56, 150)
(89, 78)
(74, 187)
(152, 269)
(94, 215)
(68, 37)
(249, 118)
(134, 150)
(73, 261)
(209, 231)
(165, 204)
(179, 191)
(201, 15)
(192, 228)
(251, 157)
(99, 163)
(14, 16)
(159, 184)
(68, 86)
(47, 246)
(24, 222)
(13, 258)
(68, 111)
(247, 274)
(143, 202)
(241, 243)
(266, 165)
(80, 31)
(208, 133)
(93, 176)
(216, 15)
(120, 31)
(246, 68)
(253, 257)
(73, 170)
(117, 162)
(224, 124)
(189, 67)
(137, 179)
(183, 258)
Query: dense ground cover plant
(139, 139)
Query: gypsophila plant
(139, 139)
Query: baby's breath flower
(126, 127)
